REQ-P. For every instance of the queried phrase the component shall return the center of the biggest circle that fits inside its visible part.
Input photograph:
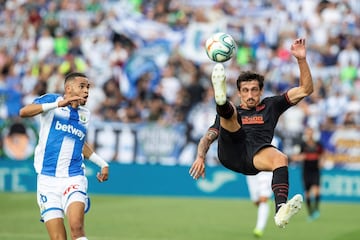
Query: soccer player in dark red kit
(310, 155)
(245, 135)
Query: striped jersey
(61, 139)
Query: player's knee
(77, 229)
(281, 160)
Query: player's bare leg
(56, 229)
(271, 159)
(75, 214)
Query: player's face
(308, 135)
(250, 94)
(80, 87)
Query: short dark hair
(17, 128)
(248, 76)
(73, 75)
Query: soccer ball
(220, 47)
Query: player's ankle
(226, 110)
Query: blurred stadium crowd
(146, 62)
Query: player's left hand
(103, 175)
(298, 49)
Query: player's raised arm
(305, 88)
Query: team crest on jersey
(83, 118)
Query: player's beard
(250, 103)
(82, 102)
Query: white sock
(262, 216)
(82, 238)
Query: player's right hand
(103, 175)
(197, 169)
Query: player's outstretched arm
(198, 167)
(88, 152)
(305, 88)
(34, 109)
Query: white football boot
(288, 210)
(218, 80)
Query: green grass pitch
(170, 218)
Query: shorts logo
(70, 188)
(43, 198)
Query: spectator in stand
(112, 101)
(45, 44)
(169, 85)
(17, 144)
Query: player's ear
(262, 91)
(67, 87)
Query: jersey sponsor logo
(69, 129)
(256, 119)
(219, 179)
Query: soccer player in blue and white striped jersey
(59, 154)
